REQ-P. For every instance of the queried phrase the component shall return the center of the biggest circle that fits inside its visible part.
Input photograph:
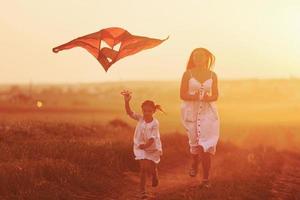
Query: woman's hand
(127, 95)
(205, 98)
(196, 96)
(209, 98)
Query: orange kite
(129, 45)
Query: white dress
(143, 132)
(200, 119)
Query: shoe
(143, 195)
(193, 172)
(205, 184)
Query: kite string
(121, 81)
(118, 72)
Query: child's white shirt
(143, 132)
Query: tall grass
(57, 160)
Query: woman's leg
(206, 162)
(194, 149)
(195, 161)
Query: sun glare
(39, 104)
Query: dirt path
(287, 183)
(285, 187)
(170, 180)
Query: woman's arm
(215, 90)
(184, 95)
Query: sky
(250, 39)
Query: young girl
(147, 145)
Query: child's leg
(143, 174)
(154, 173)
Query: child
(147, 145)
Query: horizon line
(138, 80)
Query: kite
(113, 37)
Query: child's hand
(127, 95)
(142, 146)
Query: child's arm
(147, 144)
(128, 109)
(127, 106)
(151, 135)
(127, 98)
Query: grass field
(78, 144)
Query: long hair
(153, 105)
(204, 52)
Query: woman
(199, 91)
